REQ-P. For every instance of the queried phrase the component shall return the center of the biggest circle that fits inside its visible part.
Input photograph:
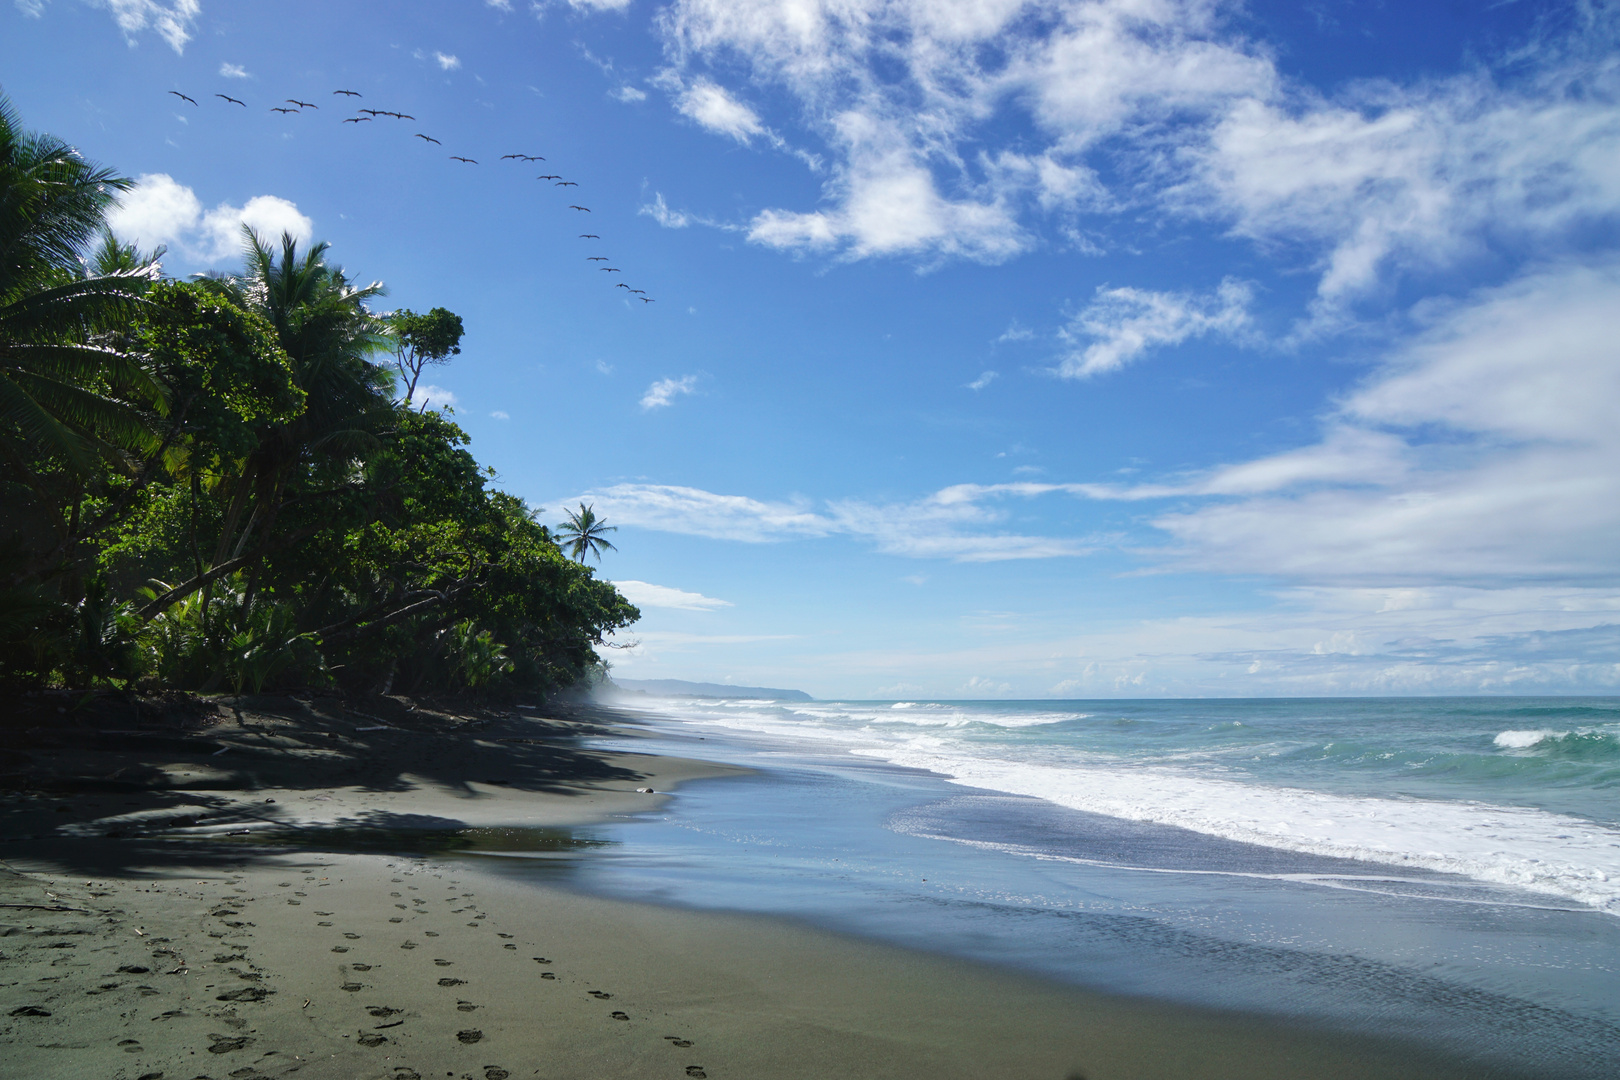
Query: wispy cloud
(958, 523)
(501, 414)
(949, 126)
(628, 94)
(984, 380)
(644, 594)
(233, 71)
(660, 212)
(1123, 324)
(173, 22)
(161, 210)
(446, 61)
(664, 392)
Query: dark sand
(145, 935)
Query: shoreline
(139, 941)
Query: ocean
(1445, 870)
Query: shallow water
(1388, 867)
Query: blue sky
(999, 349)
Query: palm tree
(66, 399)
(582, 533)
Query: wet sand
(164, 918)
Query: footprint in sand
(696, 1071)
(340, 948)
(408, 945)
(430, 933)
(509, 945)
(383, 1012)
(600, 995)
(547, 975)
(495, 1072)
(361, 967)
(541, 960)
(469, 1035)
(247, 993)
(676, 1040)
(619, 1015)
(351, 936)
(452, 982)
(224, 1044)
(402, 1073)
(371, 1039)
(443, 963)
(136, 969)
(129, 1046)
(396, 918)
(323, 924)
(351, 987)
(465, 1006)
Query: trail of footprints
(381, 1024)
(389, 1018)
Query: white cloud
(957, 523)
(501, 414)
(628, 94)
(172, 22)
(598, 5)
(603, 367)
(161, 210)
(660, 212)
(695, 512)
(1484, 452)
(267, 215)
(1124, 323)
(714, 108)
(433, 397)
(233, 71)
(499, 5)
(949, 123)
(446, 61)
(663, 392)
(984, 380)
(643, 594)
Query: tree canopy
(211, 484)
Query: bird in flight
(549, 177)
(429, 138)
(280, 109)
(302, 104)
(589, 236)
(584, 208)
(596, 258)
(400, 116)
(468, 160)
(565, 183)
(532, 157)
(645, 299)
(610, 270)
(350, 93)
(638, 292)
(358, 120)
(374, 112)
(178, 94)
(622, 285)
(232, 100)
(514, 157)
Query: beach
(275, 888)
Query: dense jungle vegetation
(221, 483)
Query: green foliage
(209, 484)
(423, 340)
(586, 534)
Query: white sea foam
(1524, 740)
(1553, 854)
(1528, 848)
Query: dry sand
(178, 947)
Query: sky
(1061, 348)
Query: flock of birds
(366, 116)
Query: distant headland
(682, 688)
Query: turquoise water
(1516, 793)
